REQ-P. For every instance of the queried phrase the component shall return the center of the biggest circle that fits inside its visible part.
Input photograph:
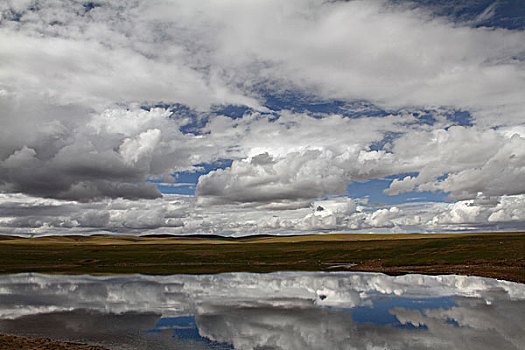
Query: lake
(284, 310)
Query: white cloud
(141, 146)
(359, 49)
(305, 175)
(111, 155)
(108, 54)
(469, 161)
(177, 214)
(199, 52)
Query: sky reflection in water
(292, 310)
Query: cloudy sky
(247, 117)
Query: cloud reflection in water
(287, 310)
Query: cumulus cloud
(464, 161)
(178, 214)
(112, 155)
(305, 175)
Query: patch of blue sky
(186, 181)
(90, 5)
(195, 121)
(218, 164)
(185, 328)
(231, 111)
(299, 102)
(508, 14)
(428, 116)
(387, 139)
(459, 117)
(176, 322)
(452, 322)
(456, 117)
(379, 312)
(373, 191)
(425, 117)
(174, 187)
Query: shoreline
(485, 271)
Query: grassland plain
(496, 255)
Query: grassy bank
(497, 255)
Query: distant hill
(214, 237)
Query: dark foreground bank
(26, 343)
(495, 255)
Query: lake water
(287, 310)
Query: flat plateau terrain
(496, 255)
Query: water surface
(284, 310)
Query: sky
(261, 117)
